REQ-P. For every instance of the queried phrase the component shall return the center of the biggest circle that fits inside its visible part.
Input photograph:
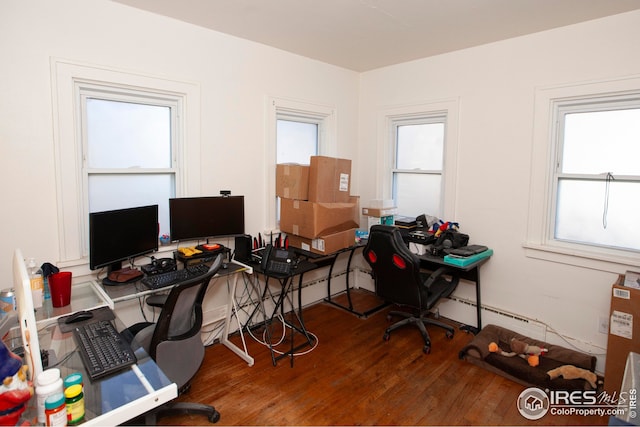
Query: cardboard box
(329, 180)
(325, 245)
(292, 181)
(379, 212)
(311, 220)
(624, 333)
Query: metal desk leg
(232, 309)
(478, 328)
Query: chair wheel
(389, 318)
(426, 349)
(215, 417)
(450, 335)
(386, 336)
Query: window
(418, 165)
(417, 150)
(298, 131)
(128, 150)
(296, 142)
(597, 174)
(585, 176)
(121, 139)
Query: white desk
(112, 400)
(232, 272)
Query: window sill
(580, 258)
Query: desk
(136, 290)
(331, 261)
(286, 282)
(112, 400)
(470, 272)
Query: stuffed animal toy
(531, 353)
(570, 372)
(15, 390)
(444, 226)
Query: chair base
(176, 408)
(420, 322)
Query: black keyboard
(162, 280)
(102, 349)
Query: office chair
(398, 280)
(174, 343)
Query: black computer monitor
(195, 218)
(118, 235)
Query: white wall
(495, 86)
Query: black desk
(470, 272)
(286, 283)
(330, 260)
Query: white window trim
(539, 243)
(387, 119)
(65, 77)
(283, 108)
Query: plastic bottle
(45, 281)
(73, 379)
(37, 283)
(74, 398)
(47, 384)
(55, 410)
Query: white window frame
(389, 118)
(540, 242)
(68, 78)
(419, 119)
(303, 111)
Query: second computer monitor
(195, 218)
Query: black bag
(449, 239)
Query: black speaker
(243, 248)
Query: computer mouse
(79, 317)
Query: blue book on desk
(464, 261)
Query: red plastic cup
(60, 288)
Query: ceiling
(362, 35)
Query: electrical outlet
(603, 324)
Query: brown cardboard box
(325, 244)
(329, 179)
(309, 219)
(624, 333)
(379, 212)
(292, 181)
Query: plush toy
(531, 353)
(570, 372)
(444, 226)
(15, 390)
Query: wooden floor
(354, 377)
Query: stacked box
(316, 209)
(325, 244)
(292, 181)
(376, 215)
(329, 179)
(311, 220)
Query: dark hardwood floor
(354, 377)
